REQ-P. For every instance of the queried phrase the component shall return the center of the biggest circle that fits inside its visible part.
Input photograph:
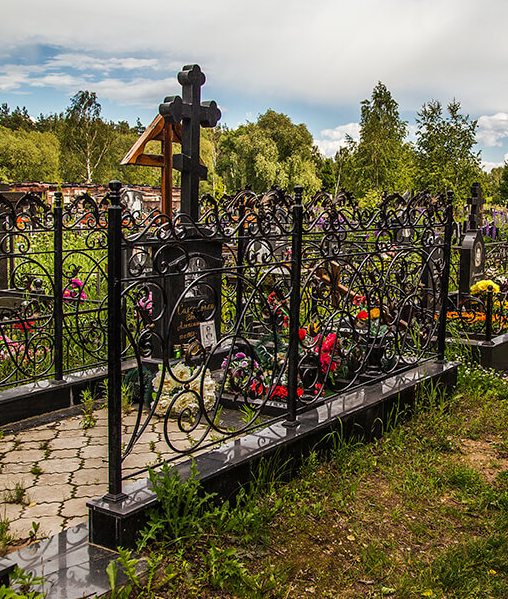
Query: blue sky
(315, 61)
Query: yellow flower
(375, 313)
(482, 287)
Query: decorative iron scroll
(368, 304)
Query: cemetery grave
(240, 325)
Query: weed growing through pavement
(33, 532)
(126, 392)
(36, 469)
(16, 495)
(5, 536)
(87, 406)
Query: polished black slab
(72, 568)
(224, 469)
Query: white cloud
(337, 138)
(329, 55)
(88, 62)
(488, 166)
(137, 91)
(492, 129)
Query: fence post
(294, 308)
(445, 281)
(58, 285)
(488, 316)
(114, 345)
(239, 260)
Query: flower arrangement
(181, 378)
(278, 308)
(240, 370)
(278, 393)
(74, 290)
(145, 302)
(481, 288)
(15, 350)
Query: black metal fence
(267, 307)
(53, 283)
(263, 307)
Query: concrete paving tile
(94, 451)
(53, 479)
(41, 510)
(48, 525)
(50, 493)
(20, 528)
(8, 480)
(95, 463)
(16, 468)
(55, 465)
(6, 446)
(147, 437)
(31, 456)
(37, 435)
(72, 424)
(90, 476)
(27, 445)
(68, 441)
(75, 507)
(91, 491)
(140, 460)
(70, 522)
(97, 431)
(63, 453)
(11, 511)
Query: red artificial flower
(258, 388)
(329, 342)
(359, 300)
(24, 325)
(362, 315)
(299, 391)
(302, 333)
(280, 392)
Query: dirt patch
(487, 457)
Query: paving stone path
(49, 472)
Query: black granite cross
(192, 113)
(475, 202)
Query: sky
(314, 61)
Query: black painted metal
(294, 306)
(58, 283)
(193, 114)
(114, 344)
(446, 276)
(488, 315)
(352, 303)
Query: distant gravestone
(472, 251)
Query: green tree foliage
(17, 119)
(272, 150)
(502, 188)
(28, 156)
(380, 158)
(210, 148)
(445, 158)
(85, 139)
(328, 177)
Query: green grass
(422, 512)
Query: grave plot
(266, 308)
(52, 302)
(478, 306)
